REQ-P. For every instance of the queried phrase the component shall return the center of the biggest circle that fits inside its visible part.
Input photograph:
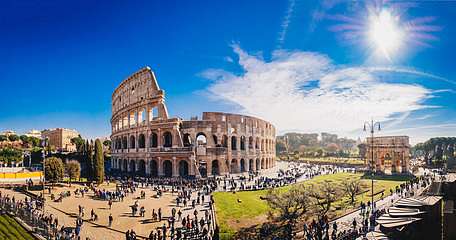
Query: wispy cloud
(306, 91)
(286, 22)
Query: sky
(304, 65)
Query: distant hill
(309, 142)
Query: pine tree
(89, 158)
(99, 162)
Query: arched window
(225, 141)
(215, 140)
(242, 143)
(233, 143)
(257, 142)
(201, 139)
(167, 139)
(153, 140)
(132, 141)
(141, 141)
(187, 140)
(250, 142)
(124, 143)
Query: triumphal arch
(391, 154)
(146, 141)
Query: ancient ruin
(391, 154)
(148, 142)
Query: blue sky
(291, 62)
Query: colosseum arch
(257, 142)
(250, 142)
(251, 165)
(141, 141)
(243, 168)
(258, 165)
(215, 168)
(187, 140)
(142, 168)
(242, 143)
(153, 168)
(132, 166)
(263, 164)
(132, 141)
(153, 140)
(201, 139)
(125, 165)
(233, 143)
(167, 139)
(167, 168)
(234, 166)
(183, 168)
(225, 141)
(214, 138)
(124, 143)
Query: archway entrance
(258, 164)
(153, 168)
(142, 168)
(125, 165)
(203, 170)
(242, 165)
(215, 168)
(234, 167)
(251, 165)
(183, 168)
(168, 168)
(132, 168)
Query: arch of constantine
(146, 141)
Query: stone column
(176, 167)
(147, 167)
(160, 167)
(159, 138)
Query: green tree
(79, 142)
(54, 169)
(73, 169)
(8, 155)
(35, 141)
(352, 188)
(13, 137)
(89, 160)
(99, 162)
(3, 138)
(323, 195)
(25, 139)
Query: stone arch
(187, 140)
(141, 141)
(214, 138)
(258, 165)
(215, 168)
(234, 166)
(183, 168)
(225, 141)
(262, 163)
(167, 139)
(142, 167)
(201, 139)
(203, 169)
(153, 168)
(167, 168)
(132, 141)
(257, 142)
(125, 165)
(233, 143)
(124, 142)
(132, 166)
(250, 142)
(242, 143)
(153, 140)
(251, 165)
(243, 168)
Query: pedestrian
(110, 219)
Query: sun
(385, 34)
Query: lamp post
(372, 127)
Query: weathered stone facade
(146, 141)
(391, 154)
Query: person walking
(110, 218)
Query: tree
(3, 138)
(99, 162)
(79, 142)
(323, 196)
(54, 169)
(73, 169)
(352, 188)
(13, 137)
(35, 141)
(9, 155)
(89, 160)
(289, 206)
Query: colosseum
(146, 141)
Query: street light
(372, 127)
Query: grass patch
(251, 210)
(10, 229)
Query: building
(391, 154)
(147, 141)
(327, 138)
(60, 138)
(8, 133)
(33, 133)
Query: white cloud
(286, 22)
(305, 91)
